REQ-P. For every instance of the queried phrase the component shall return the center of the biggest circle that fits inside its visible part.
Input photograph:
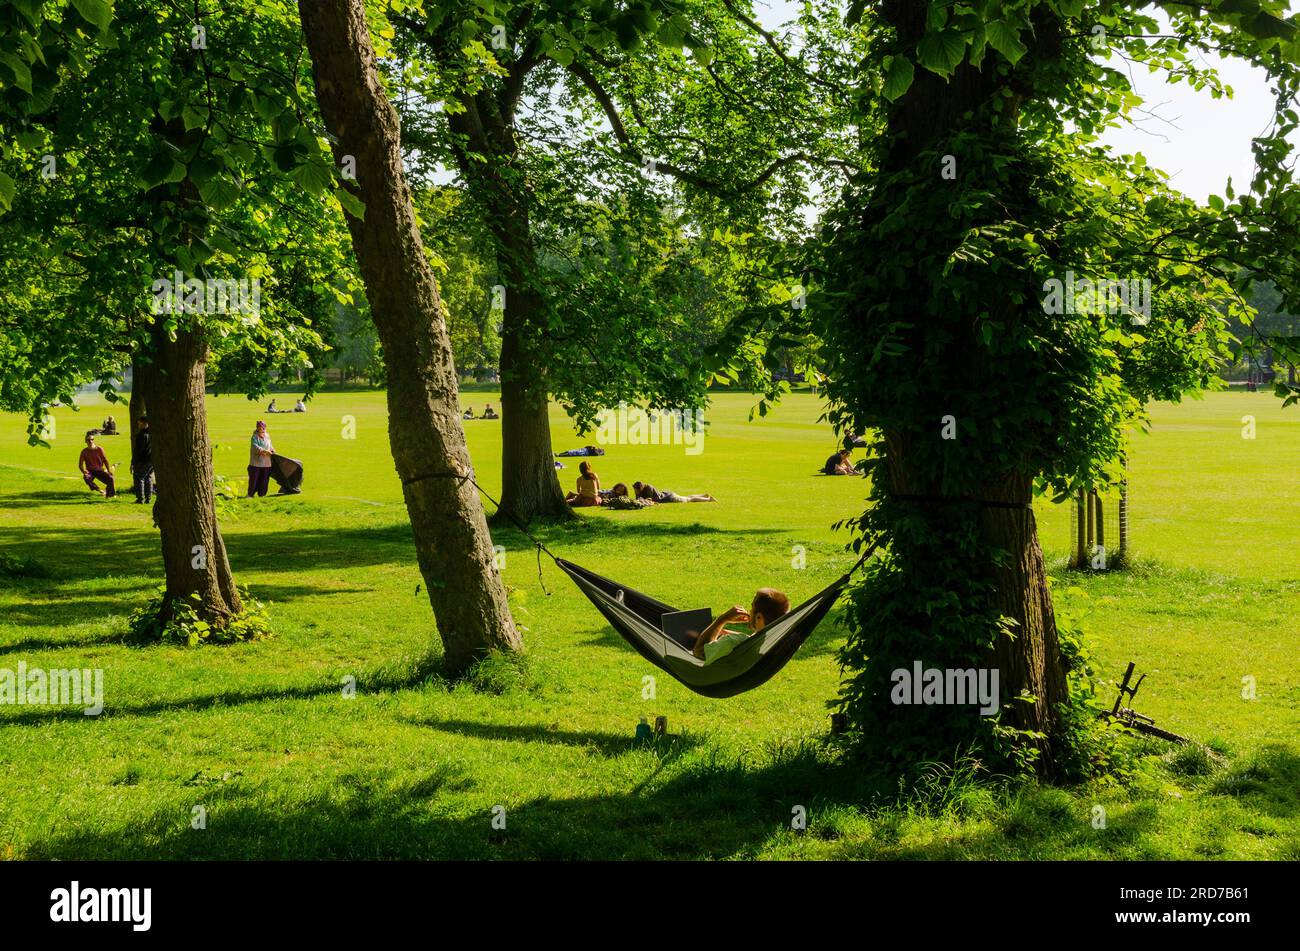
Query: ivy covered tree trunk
(452, 542)
(965, 401)
(171, 380)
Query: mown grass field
(285, 765)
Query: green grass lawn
(285, 765)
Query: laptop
(685, 626)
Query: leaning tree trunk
(171, 380)
(428, 444)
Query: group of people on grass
(298, 407)
(95, 468)
(488, 413)
(588, 492)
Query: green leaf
(898, 77)
(941, 52)
(1005, 38)
(350, 203)
(314, 177)
(161, 168)
(99, 13)
(7, 192)
(22, 72)
(194, 117)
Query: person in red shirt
(93, 464)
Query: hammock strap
(468, 477)
(991, 503)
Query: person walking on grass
(142, 462)
(260, 451)
(94, 467)
(645, 490)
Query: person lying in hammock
(769, 605)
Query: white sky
(1200, 143)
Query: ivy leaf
(1005, 38)
(898, 77)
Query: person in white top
(260, 451)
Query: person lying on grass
(93, 464)
(645, 490)
(618, 492)
(588, 488)
(769, 605)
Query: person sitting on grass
(588, 488)
(489, 412)
(840, 464)
(645, 490)
(768, 605)
(300, 407)
(468, 414)
(110, 427)
(94, 466)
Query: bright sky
(1200, 142)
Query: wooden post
(1081, 532)
(661, 726)
(839, 722)
(1100, 511)
(1123, 512)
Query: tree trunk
(428, 444)
(172, 383)
(1030, 663)
(529, 484)
(136, 406)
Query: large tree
(157, 158)
(447, 519)
(944, 338)
(568, 125)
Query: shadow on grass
(70, 496)
(605, 743)
(31, 644)
(711, 810)
(398, 675)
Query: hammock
(638, 618)
(759, 658)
